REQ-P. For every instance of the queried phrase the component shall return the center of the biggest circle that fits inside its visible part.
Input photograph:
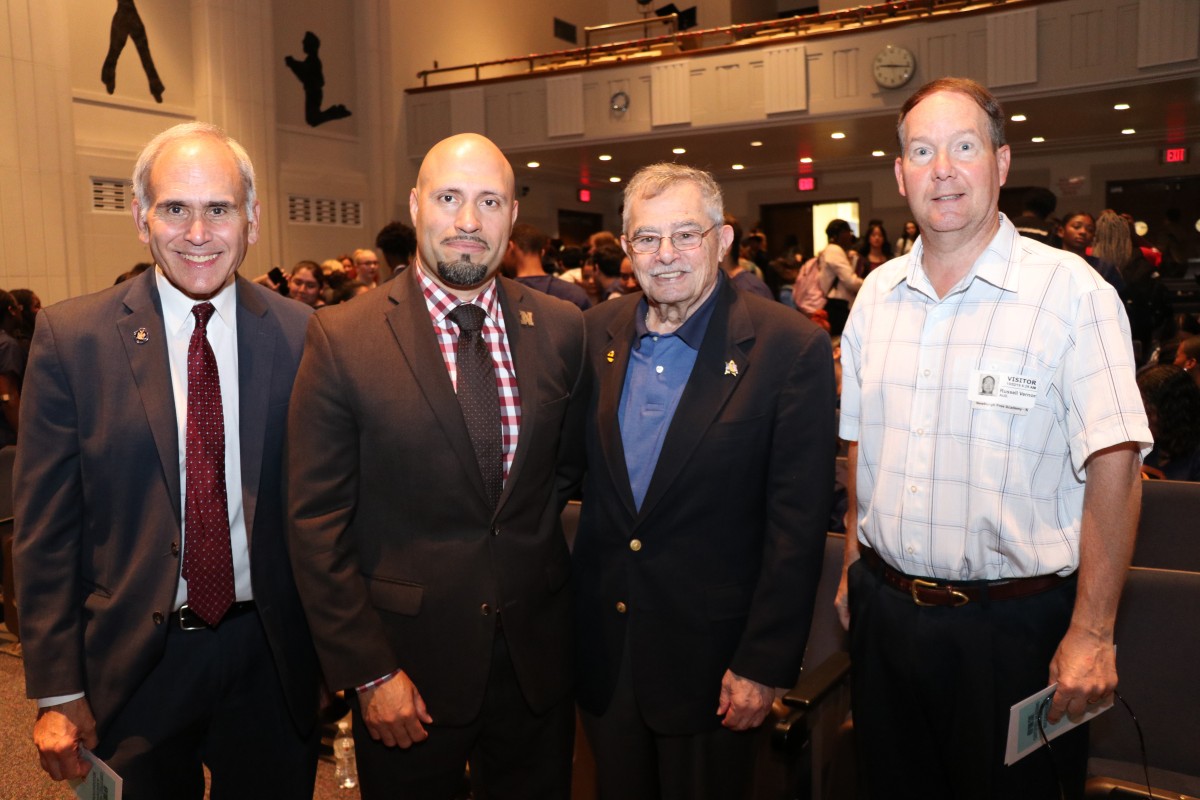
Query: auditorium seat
(1158, 651)
(1168, 532)
(808, 739)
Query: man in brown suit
(425, 527)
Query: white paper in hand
(1023, 734)
(101, 783)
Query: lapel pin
(527, 319)
(141, 336)
(610, 356)
(731, 368)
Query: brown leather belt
(926, 592)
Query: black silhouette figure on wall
(127, 24)
(312, 76)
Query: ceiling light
(614, 179)
(806, 160)
(679, 150)
(1038, 139)
(878, 153)
(756, 144)
(1128, 131)
(838, 135)
(1121, 107)
(606, 157)
(739, 166)
(1017, 117)
(533, 164)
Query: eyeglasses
(645, 243)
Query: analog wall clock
(893, 67)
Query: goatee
(462, 274)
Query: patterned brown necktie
(478, 397)
(207, 554)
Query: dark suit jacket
(733, 525)
(98, 501)
(399, 560)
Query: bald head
(463, 209)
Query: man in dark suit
(160, 622)
(425, 498)
(710, 448)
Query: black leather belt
(925, 592)
(189, 620)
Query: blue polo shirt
(658, 371)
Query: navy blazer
(729, 538)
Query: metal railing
(708, 38)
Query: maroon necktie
(478, 397)
(207, 554)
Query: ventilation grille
(304, 210)
(111, 195)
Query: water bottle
(345, 773)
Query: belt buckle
(183, 625)
(960, 599)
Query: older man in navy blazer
(710, 447)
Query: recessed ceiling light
(878, 153)
(756, 144)
(838, 135)
(679, 150)
(533, 164)
(806, 160)
(1128, 131)
(1017, 117)
(1121, 107)
(614, 179)
(739, 166)
(606, 157)
(1038, 139)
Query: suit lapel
(712, 381)
(611, 379)
(523, 346)
(256, 359)
(145, 339)
(411, 326)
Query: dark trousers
(214, 700)
(513, 753)
(633, 762)
(931, 691)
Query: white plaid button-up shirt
(953, 489)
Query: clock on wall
(619, 102)
(893, 67)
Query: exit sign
(585, 195)
(806, 183)
(1175, 155)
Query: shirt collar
(999, 264)
(691, 332)
(177, 306)
(441, 303)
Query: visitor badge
(1002, 391)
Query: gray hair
(188, 130)
(649, 182)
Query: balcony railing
(675, 41)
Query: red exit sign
(806, 183)
(1175, 155)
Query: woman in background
(1078, 231)
(1172, 402)
(906, 241)
(874, 250)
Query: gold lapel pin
(527, 319)
(611, 356)
(141, 336)
(731, 368)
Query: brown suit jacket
(399, 560)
